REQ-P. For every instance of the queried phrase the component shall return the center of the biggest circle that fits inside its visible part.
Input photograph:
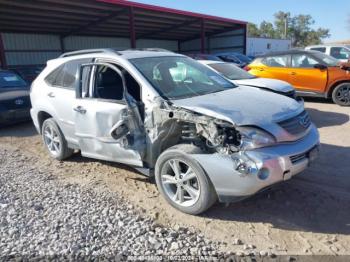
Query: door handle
(261, 69)
(51, 94)
(79, 109)
(293, 73)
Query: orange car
(312, 73)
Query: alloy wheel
(52, 140)
(343, 94)
(180, 182)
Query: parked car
(235, 58)
(28, 73)
(338, 51)
(14, 98)
(204, 57)
(239, 76)
(201, 136)
(312, 73)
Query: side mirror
(320, 66)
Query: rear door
(275, 67)
(304, 76)
(61, 95)
(105, 124)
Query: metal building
(31, 32)
(260, 45)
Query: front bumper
(272, 165)
(14, 116)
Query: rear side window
(276, 61)
(320, 49)
(66, 75)
(10, 80)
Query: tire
(54, 140)
(341, 94)
(202, 196)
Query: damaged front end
(239, 160)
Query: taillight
(246, 68)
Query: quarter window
(303, 61)
(276, 61)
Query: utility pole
(285, 25)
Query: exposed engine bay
(171, 125)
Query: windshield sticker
(218, 80)
(10, 78)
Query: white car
(202, 137)
(239, 76)
(338, 51)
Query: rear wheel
(341, 94)
(183, 182)
(54, 140)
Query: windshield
(231, 71)
(243, 58)
(178, 77)
(326, 59)
(9, 79)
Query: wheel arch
(334, 85)
(42, 116)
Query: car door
(304, 75)
(275, 67)
(106, 124)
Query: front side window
(180, 77)
(340, 53)
(11, 80)
(326, 59)
(231, 71)
(108, 84)
(276, 61)
(303, 61)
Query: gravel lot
(41, 216)
(41, 199)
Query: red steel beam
(171, 11)
(132, 27)
(2, 53)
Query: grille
(296, 125)
(296, 158)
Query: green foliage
(297, 28)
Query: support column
(2, 53)
(63, 49)
(245, 40)
(202, 36)
(132, 27)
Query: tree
(297, 28)
(253, 30)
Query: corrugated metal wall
(30, 49)
(233, 41)
(36, 49)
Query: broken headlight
(252, 137)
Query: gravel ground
(41, 216)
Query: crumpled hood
(273, 84)
(243, 105)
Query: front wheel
(341, 94)
(183, 182)
(54, 140)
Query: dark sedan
(14, 98)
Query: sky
(333, 15)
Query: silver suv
(201, 136)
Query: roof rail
(89, 51)
(154, 49)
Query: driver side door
(104, 124)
